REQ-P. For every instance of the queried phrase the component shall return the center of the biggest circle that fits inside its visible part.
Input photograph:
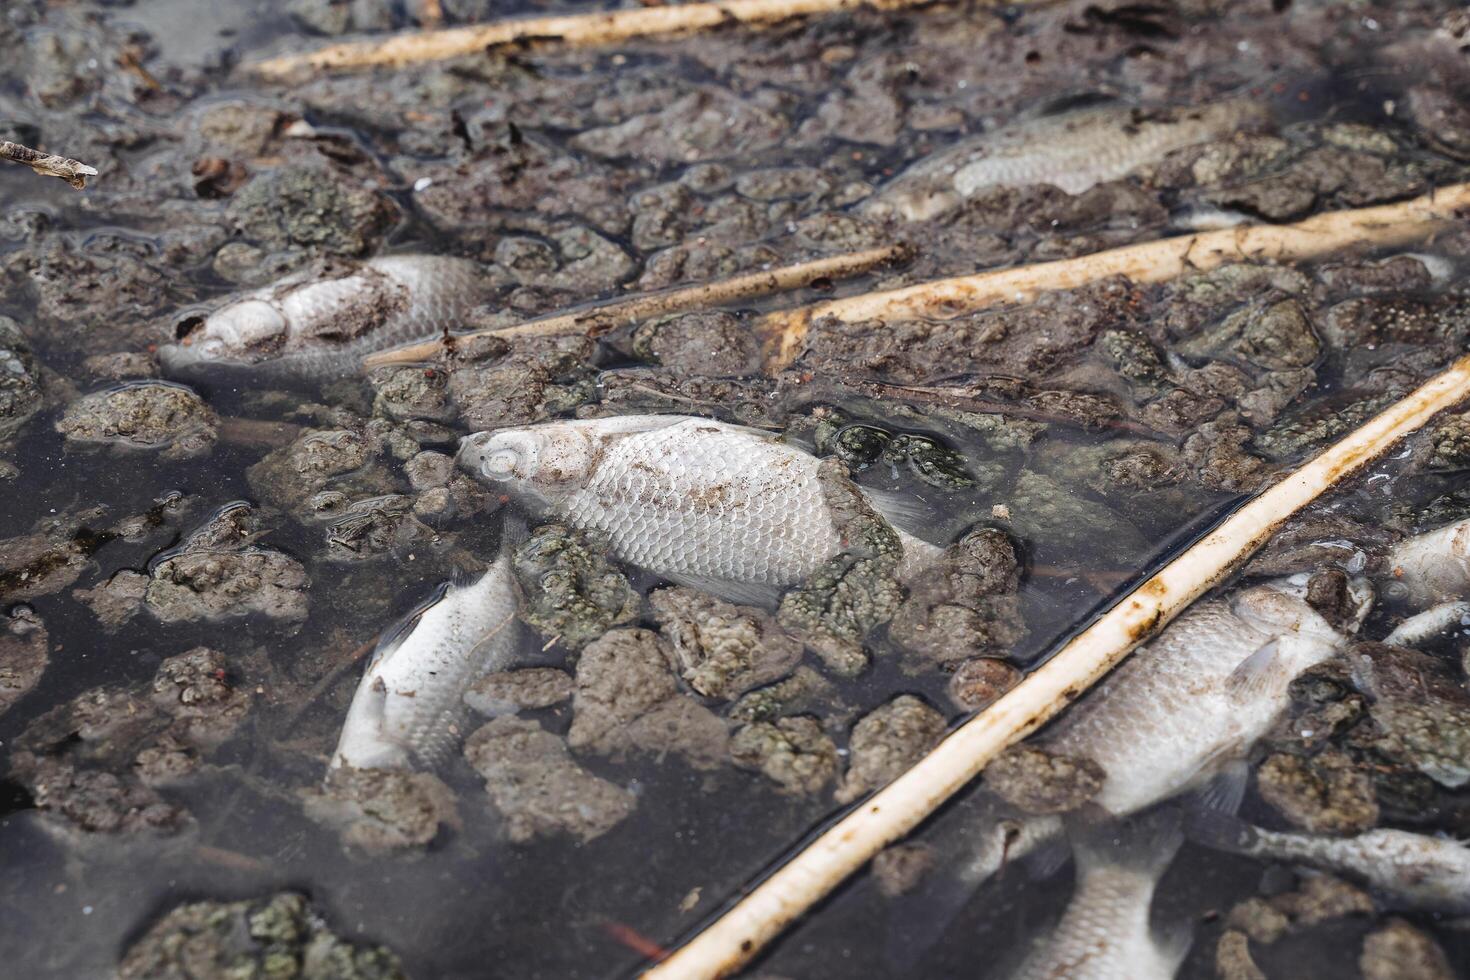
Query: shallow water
(472, 904)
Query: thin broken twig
(736, 936)
(573, 29)
(598, 319)
(72, 171)
(784, 332)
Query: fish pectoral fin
(903, 510)
(1219, 830)
(761, 594)
(1250, 679)
(1223, 793)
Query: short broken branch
(598, 319)
(737, 936)
(73, 172)
(784, 332)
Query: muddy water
(1105, 428)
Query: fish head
(246, 331)
(537, 464)
(1280, 607)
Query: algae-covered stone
(722, 650)
(794, 752)
(382, 811)
(527, 688)
(573, 595)
(966, 605)
(538, 787)
(219, 573)
(277, 938)
(1037, 781)
(886, 741)
(1324, 794)
(143, 415)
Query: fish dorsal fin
(1252, 677)
(761, 594)
(1074, 102)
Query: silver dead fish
(1194, 700)
(1071, 150)
(1409, 869)
(1105, 933)
(322, 320)
(713, 506)
(1432, 566)
(410, 696)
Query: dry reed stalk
(72, 171)
(784, 332)
(598, 319)
(575, 29)
(736, 936)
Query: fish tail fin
(1338, 94)
(1145, 843)
(1221, 831)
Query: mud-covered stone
(804, 690)
(218, 573)
(886, 742)
(518, 386)
(526, 689)
(1324, 793)
(538, 787)
(573, 595)
(628, 701)
(966, 605)
(1037, 781)
(314, 208)
(710, 344)
(24, 653)
(705, 124)
(722, 650)
(382, 811)
(21, 394)
(281, 938)
(794, 752)
(979, 682)
(1399, 951)
(143, 415)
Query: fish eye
(500, 464)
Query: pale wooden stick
(731, 940)
(576, 29)
(784, 332)
(598, 319)
(73, 172)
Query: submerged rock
(1399, 951)
(380, 811)
(804, 690)
(886, 742)
(143, 415)
(1037, 781)
(1325, 793)
(24, 653)
(526, 689)
(966, 606)
(627, 701)
(312, 207)
(711, 344)
(218, 574)
(538, 787)
(573, 595)
(280, 938)
(794, 752)
(722, 650)
(21, 395)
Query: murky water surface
(1096, 433)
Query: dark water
(473, 905)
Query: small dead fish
(411, 695)
(322, 320)
(1186, 705)
(1105, 932)
(1414, 870)
(1071, 150)
(1432, 566)
(717, 507)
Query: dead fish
(322, 320)
(1187, 705)
(1105, 932)
(410, 699)
(1414, 870)
(717, 507)
(1072, 150)
(1432, 566)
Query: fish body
(1105, 933)
(411, 693)
(1073, 151)
(1434, 565)
(1200, 695)
(321, 321)
(1414, 870)
(706, 504)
